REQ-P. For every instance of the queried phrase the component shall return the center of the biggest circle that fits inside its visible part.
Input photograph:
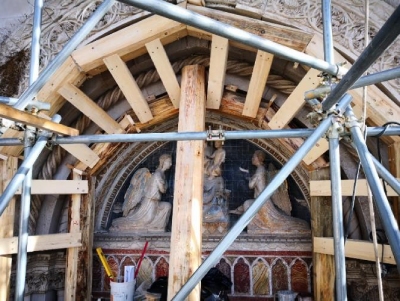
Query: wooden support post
(216, 77)
(85, 257)
(124, 79)
(88, 107)
(188, 195)
(394, 167)
(262, 66)
(72, 253)
(7, 170)
(295, 101)
(164, 68)
(321, 226)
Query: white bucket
(122, 291)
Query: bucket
(286, 295)
(122, 291)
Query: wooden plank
(320, 148)
(295, 101)
(124, 79)
(323, 188)
(165, 71)
(216, 77)
(88, 107)
(12, 150)
(188, 193)
(72, 253)
(69, 72)
(7, 170)
(261, 69)
(287, 36)
(363, 250)
(321, 226)
(83, 153)
(57, 187)
(85, 257)
(128, 42)
(38, 122)
(99, 148)
(380, 108)
(41, 243)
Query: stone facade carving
(62, 19)
(274, 216)
(142, 209)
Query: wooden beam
(187, 214)
(7, 170)
(165, 71)
(83, 153)
(261, 69)
(38, 122)
(216, 77)
(88, 107)
(41, 243)
(320, 148)
(128, 42)
(295, 101)
(69, 72)
(290, 37)
(100, 148)
(57, 187)
(363, 250)
(72, 253)
(323, 188)
(124, 79)
(85, 257)
(321, 226)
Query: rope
(114, 95)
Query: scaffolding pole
(387, 176)
(366, 80)
(181, 136)
(385, 36)
(388, 220)
(26, 165)
(29, 137)
(188, 17)
(247, 216)
(337, 214)
(78, 37)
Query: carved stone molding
(62, 18)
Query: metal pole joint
(337, 127)
(215, 135)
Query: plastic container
(286, 296)
(122, 291)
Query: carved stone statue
(269, 219)
(215, 205)
(142, 209)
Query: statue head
(258, 157)
(165, 161)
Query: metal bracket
(215, 135)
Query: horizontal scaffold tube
(230, 32)
(181, 136)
